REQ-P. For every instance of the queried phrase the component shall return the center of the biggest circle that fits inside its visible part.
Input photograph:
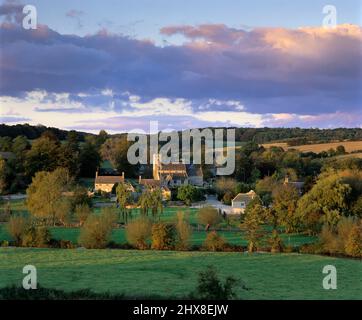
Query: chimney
(123, 175)
(139, 179)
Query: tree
(329, 200)
(16, 228)
(163, 236)
(252, 226)
(44, 195)
(43, 156)
(187, 193)
(156, 201)
(209, 217)
(276, 242)
(145, 201)
(285, 200)
(183, 230)
(89, 160)
(353, 246)
(97, 229)
(36, 236)
(123, 195)
(225, 185)
(214, 242)
(63, 211)
(115, 150)
(82, 212)
(138, 232)
(210, 287)
(3, 174)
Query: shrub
(4, 243)
(80, 197)
(183, 232)
(209, 217)
(16, 228)
(82, 212)
(276, 242)
(97, 230)
(138, 232)
(210, 287)
(163, 236)
(214, 242)
(35, 236)
(353, 246)
(63, 211)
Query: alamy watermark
(30, 280)
(330, 19)
(217, 150)
(330, 280)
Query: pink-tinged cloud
(306, 71)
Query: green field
(173, 274)
(198, 237)
(168, 215)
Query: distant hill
(291, 136)
(34, 132)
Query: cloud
(11, 11)
(222, 74)
(75, 14)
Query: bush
(4, 243)
(345, 239)
(353, 246)
(138, 232)
(276, 242)
(163, 236)
(82, 212)
(16, 228)
(209, 217)
(36, 237)
(97, 230)
(183, 232)
(210, 287)
(214, 242)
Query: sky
(117, 65)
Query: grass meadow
(174, 274)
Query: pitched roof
(109, 179)
(245, 196)
(150, 182)
(173, 167)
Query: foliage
(16, 228)
(96, 231)
(226, 185)
(210, 287)
(209, 217)
(285, 200)
(36, 236)
(115, 150)
(252, 226)
(345, 238)
(82, 212)
(214, 242)
(183, 231)
(138, 232)
(163, 236)
(276, 242)
(45, 193)
(332, 197)
(188, 194)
